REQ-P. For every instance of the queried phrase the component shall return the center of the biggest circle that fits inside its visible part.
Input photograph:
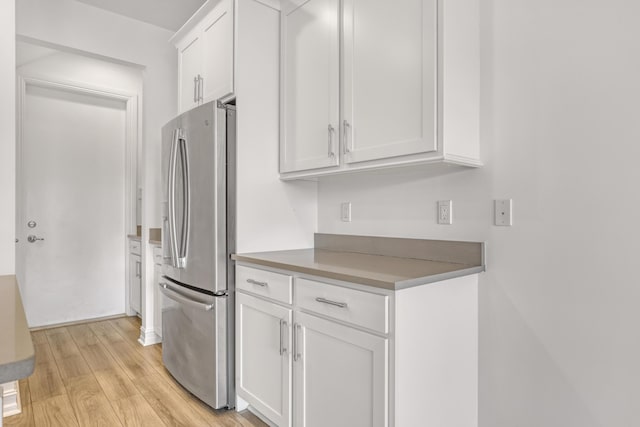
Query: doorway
(74, 200)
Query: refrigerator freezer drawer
(194, 342)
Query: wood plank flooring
(96, 374)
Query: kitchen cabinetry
(341, 368)
(375, 357)
(310, 122)
(405, 90)
(157, 296)
(205, 55)
(135, 276)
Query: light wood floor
(97, 374)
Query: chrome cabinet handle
(195, 89)
(283, 340)
(200, 88)
(345, 136)
(331, 131)
(296, 345)
(138, 269)
(255, 282)
(335, 303)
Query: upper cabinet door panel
(190, 63)
(217, 42)
(389, 78)
(310, 85)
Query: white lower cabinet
(340, 375)
(263, 357)
(157, 295)
(135, 277)
(341, 354)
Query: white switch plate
(345, 211)
(503, 212)
(445, 213)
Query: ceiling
(169, 14)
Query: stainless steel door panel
(194, 183)
(194, 337)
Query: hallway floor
(96, 374)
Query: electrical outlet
(345, 211)
(503, 212)
(445, 213)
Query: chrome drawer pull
(255, 282)
(327, 301)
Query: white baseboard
(10, 399)
(148, 337)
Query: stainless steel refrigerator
(198, 179)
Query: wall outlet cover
(445, 212)
(345, 212)
(503, 209)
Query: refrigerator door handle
(178, 297)
(173, 241)
(186, 214)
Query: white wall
(7, 136)
(559, 340)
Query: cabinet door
(189, 66)
(157, 302)
(310, 85)
(263, 361)
(217, 52)
(389, 76)
(135, 282)
(340, 375)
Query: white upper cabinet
(310, 91)
(190, 64)
(217, 43)
(406, 92)
(389, 78)
(205, 55)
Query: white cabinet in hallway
(157, 295)
(135, 276)
(369, 84)
(205, 55)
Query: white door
(190, 59)
(340, 375)
(311, 86)
(263, 359)
(389, 99)
(72, 186)
(217, 42)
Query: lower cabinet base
(10, 399)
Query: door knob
(32, 239)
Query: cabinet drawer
(134, 247)
(157, 255)
(360, 308)
(264, 283)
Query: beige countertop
(388, 263)
(17, 357)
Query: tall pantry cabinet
(374, 83)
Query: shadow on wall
(534, 388)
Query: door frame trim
(133, 149)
